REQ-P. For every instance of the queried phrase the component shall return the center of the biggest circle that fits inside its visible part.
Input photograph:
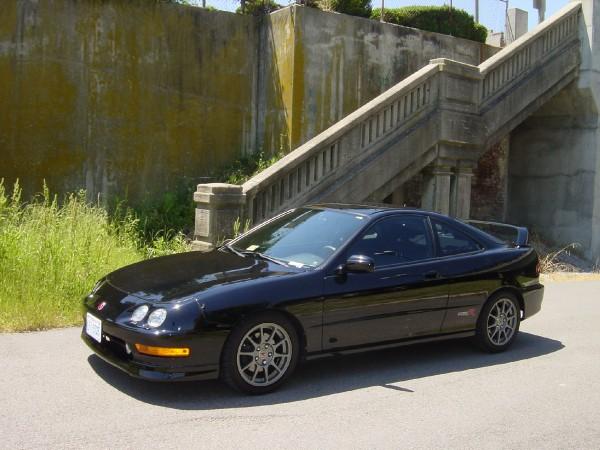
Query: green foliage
(257, 7)
(238, 228)
(440, 19)
(360, 8)
(165, 215)
(245, 167)
(51, 255)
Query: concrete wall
(135, 97)
(122, 97)
(553, 169)
(554, 164)
(341, 62)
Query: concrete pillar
(589, 82)
(218, 205)
(554, 164)
(436, 188)
(516, 24)
(460, 191)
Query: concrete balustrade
(218, 206)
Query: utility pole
(476, 11)
(540, 5)
(382, 9)
(507, 27)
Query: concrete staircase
(437, 121)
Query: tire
(260, 354)
(498, 324)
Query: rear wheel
(498, 323)
(260, 354)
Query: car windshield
(303, 237)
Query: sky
(491, 12)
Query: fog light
(175, 352)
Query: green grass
(52, 253)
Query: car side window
(452, 241)
(393, 240)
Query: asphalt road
(543, 393)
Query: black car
(313, 281)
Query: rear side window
(453, 242)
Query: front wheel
(498, 323)
(260, 354)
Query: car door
(468, 270)
(403, 297)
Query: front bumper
(112, 350)
(532, 300)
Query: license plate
(93, 327)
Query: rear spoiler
(511, 234)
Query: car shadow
(391, 368)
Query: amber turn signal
(176, 352)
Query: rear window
(452, 241)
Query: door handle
(431, 275)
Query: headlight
(157, 317)
(139, 313)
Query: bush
(51, 255)
(245, 167)
(439, 19)
(360, 8)
(257, 7)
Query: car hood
(178, 276)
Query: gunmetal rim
(264, 354)
(502, 321)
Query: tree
(360, 8)
(257, 7)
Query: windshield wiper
(266, 257)
(232, 250)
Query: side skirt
(389, 344)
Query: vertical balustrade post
(218, 205)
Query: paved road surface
(544, 393)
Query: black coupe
(313, 281)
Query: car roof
(368, 209)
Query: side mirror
(360, 263)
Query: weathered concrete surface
(122, 97)
(554, 168)
(341, 62)
(540, 394)
(489, 193)
(134, 97)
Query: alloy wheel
(264, 354)
(502, 321)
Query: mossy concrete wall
(135, 97)
(341, 62)
(122, 97)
